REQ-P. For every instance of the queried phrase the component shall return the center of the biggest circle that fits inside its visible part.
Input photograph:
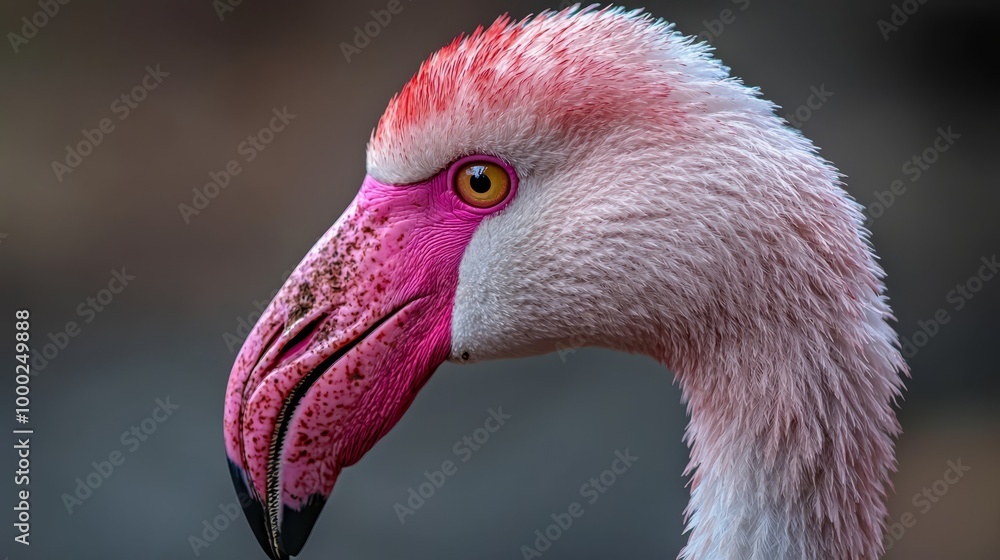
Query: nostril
(262, 352)
(267, 346)
(298, 343)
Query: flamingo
(591, 178)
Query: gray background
(163, 335)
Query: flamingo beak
(339, 355)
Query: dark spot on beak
(304, 301)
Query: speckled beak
(337, 357)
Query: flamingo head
(561, 181)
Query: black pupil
(479, 181)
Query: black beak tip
(297, 524)
(253, 510)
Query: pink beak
(341, 351)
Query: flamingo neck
(791, 439)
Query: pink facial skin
(343, 348)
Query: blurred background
(872, 95)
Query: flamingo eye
(482, 183)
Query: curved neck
(764, 298)
(791, 438)
(790, 448)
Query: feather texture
(664, 209)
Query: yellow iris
(482, 184)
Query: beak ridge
(253, 510)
